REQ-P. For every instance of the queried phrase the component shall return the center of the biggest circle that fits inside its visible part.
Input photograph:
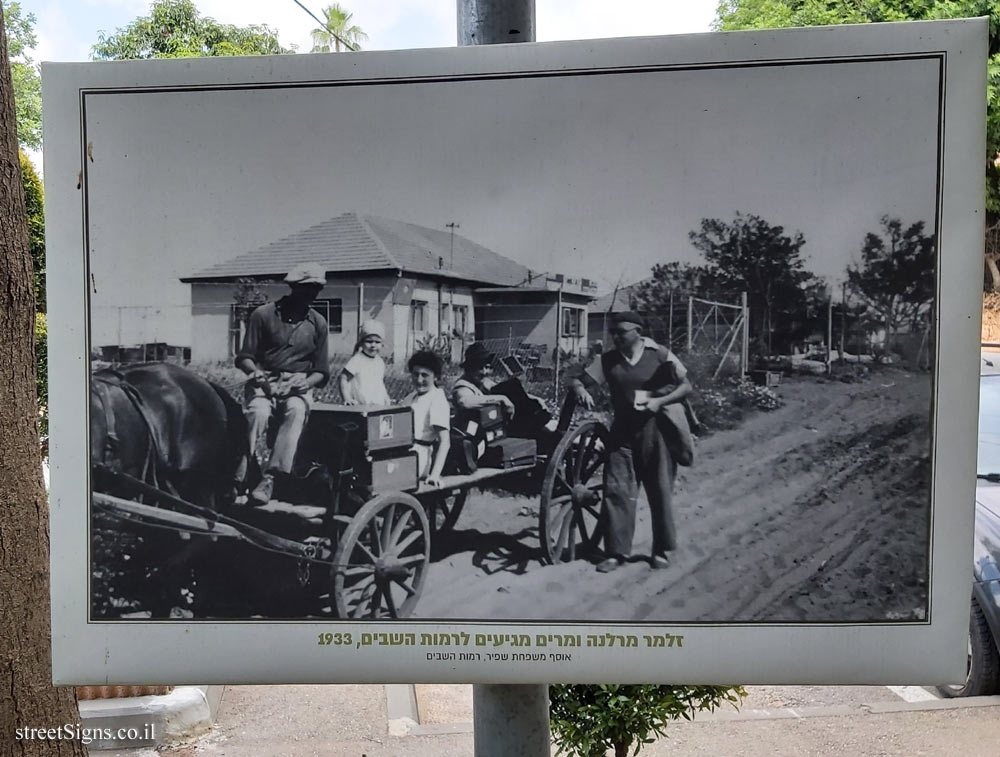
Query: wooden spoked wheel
(381, 562)
(572, 497)
(444, 509)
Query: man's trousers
(641, 458)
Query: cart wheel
(381, 561)
(445, 508)
(569, 514)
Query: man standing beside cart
(286, 355)
(649, 436)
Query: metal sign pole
(509, 720)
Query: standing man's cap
(629, 316)
(372, 328)
(306, 273)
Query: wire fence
(551, 337)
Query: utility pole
(510, 720)
(495, 22)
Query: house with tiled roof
(603, 308)
(425, 285)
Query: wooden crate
(379, 428)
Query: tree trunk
(27, 697)
(991, 264)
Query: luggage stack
(479, 439)
(381, 440)
(472, 430)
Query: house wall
(436, 322)
(597, 327)
(528, 317)
(386, 298)
(212, 337)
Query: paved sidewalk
(355, 721)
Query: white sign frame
(86, 651)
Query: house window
(445, 321)
(418, 315)
(572, 319)
(461, 314)
(333, 311)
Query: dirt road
(816, 511)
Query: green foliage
(587, 720)
(24, 72)
(895, 279)
(42, 373)
(765, 14)
(338, 31)
(34, 206)
(750, 255)
(175, 29)
(681, 279)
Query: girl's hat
(372, 328)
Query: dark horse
(171, 429)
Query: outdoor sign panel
(808, 207)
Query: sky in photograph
(600, 176)
(804, 152)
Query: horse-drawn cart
(362, 546)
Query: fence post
(670, 323)
(829, 334)
(690, 323)
(843, 318)
(746, 335)
(555, 374)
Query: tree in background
(766, 14)
(895, 278)
(588, 720)
(24, 73)
(27, 696)
(34, 207)
(676, 281)
(337, 31)
(750, 255)
(175, 29)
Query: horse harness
(103, 384)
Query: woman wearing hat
(285, 354)
(470, 389)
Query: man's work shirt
(277, 344)
(654, 369)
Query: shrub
(587, 720)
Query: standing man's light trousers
(642, 459)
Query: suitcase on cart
(484, 423)
(510, 453)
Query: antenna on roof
(452, 225)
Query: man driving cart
(285, 353)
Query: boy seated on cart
(431, 416)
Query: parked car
(983, 672)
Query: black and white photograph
(629, 343)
